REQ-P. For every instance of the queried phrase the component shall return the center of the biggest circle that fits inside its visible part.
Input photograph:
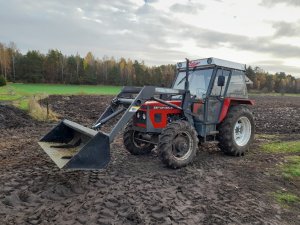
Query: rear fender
(231, 101)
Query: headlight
(138, 115)
(144, 116)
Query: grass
(61, 89)
(20, 94)
(39, 112)
(291, 169)
(288, 167)
(8, 93)
(269, 137)
(282, 147)
(286, 197)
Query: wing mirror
(221, 81)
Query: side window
(216, 90)
(237, 86)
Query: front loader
(208, 101)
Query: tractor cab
(214, 85)
(211, 77)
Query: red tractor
(208, 102)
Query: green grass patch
(7, 93)
(282, 147)
(61, 89)
(21, 103)
(286, 197)
(267, 136)
(291, 169)
(19, 94)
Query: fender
(233, 101)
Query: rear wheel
(133, 144)
(178, 144)
(236, 132)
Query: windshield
(198, 79)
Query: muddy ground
(215, 189)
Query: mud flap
(73, 146)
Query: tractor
(208, 102)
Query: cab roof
(211, 61)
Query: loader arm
(130, 105)
(73, 146)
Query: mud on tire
(133, 146)
(177, 136)
(230, 128)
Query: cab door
(214, 102)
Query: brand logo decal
(162, 107)
(134, 108)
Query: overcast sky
(265, 33)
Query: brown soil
(10, 117)
(277, 115)
(215, 189)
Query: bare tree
(62, 61)
(13, 48)
(105, 62)
(77, 64)
(4, 60)
(1, 58)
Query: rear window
(237, 86)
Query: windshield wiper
(181, 80)
(194, 69)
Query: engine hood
(158, 105)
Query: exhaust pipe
(73, 146)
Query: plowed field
(215, 189)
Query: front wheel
(178, 144)
(236, 132)
(133, 144)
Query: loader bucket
(73, 146)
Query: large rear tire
(135, 147)
(178, 144)
(236, 132)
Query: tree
(298, 85)
(30, 67)
(89, 69)
(53, 66)
(4, 60)
(62, 64)
(270, 83)
(2, 81)
(123, 71)
(13, 51)
(71, 70)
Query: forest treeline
(55, 67)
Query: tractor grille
(140, 118)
